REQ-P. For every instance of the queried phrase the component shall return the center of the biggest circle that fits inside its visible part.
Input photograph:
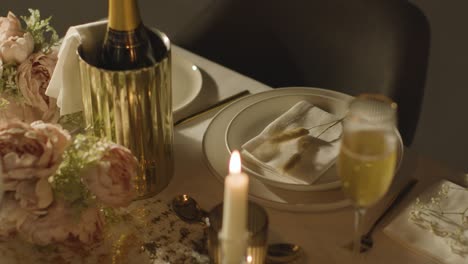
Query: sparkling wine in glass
(368, 155)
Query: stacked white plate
(247, 117)
(186, 82)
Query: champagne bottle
(127, 44)
(127, 95)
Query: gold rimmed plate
(325, 196)
(216, 154)
(249, 122)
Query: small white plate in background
(186, 82)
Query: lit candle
(234, 231)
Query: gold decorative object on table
(148, 233)
(132, 107)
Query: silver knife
(212, 107)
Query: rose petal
(10, 26)
(111, 179)
(32, 80)
(16, 49)
(44, 193)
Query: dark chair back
(358, 46)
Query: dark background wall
(443, 128)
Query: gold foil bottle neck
(123, 15)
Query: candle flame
(235, 162)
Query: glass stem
(358, 230)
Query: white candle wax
(234, 228)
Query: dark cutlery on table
(213, 107)
(366, 240)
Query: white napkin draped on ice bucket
(301, 144)
(65, 83)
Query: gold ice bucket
(134, 108)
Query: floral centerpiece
(58, 190)
(67, 197)
(54, 188)
(28, 54)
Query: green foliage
(85, 151)
(44, 35)
(3, 103)
(73, 122)
(112, 216)
(8, 80)
(45, 38)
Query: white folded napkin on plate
(300, 144)
(423, 227)
(65, 84)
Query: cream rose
(111, 179)
(14, 109)
(35, 195)
(15, 44)
(32, 80)
(17, 49)
(61, 225)
(59, 137)
(10, 26)
(30, 152)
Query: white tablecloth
(322, 235)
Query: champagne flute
(368, 155)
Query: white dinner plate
(250, 121)
(217, 155)
(186, 82)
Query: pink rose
(35, 195)
(16, 50)
(111, 179)
(59, 137)
(32, 80)
(10, 26)
(14, 109)
(61, 225)
(30, 152)
(15, 44)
